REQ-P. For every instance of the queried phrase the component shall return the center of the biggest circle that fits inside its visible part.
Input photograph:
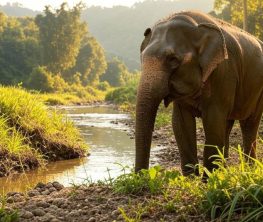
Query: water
(110, 149)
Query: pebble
(52, 189)
(57, 185)
(45, 192)
(49, 185)
(16, 198)
(55, 220)
(92, 219)
(27, 215)
(74, 213)
(33, 193)
(120, 217)
(30, 207)
(115, 213)
(53, 207)
(40, 185)
(42, 204)
(38, 212)
(11, 194)
(48, 217)
(59, 202)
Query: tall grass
(231, 193)
(76, 95)
(29, 128)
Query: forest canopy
(51, 51)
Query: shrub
(41, 79)
(103, 86)
(122, 95)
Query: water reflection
(109, 144)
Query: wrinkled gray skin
(208, 69)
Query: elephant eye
(174, 62)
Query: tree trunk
(245, 27)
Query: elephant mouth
(181, 96)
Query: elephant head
(177, 56)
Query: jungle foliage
(233, 12)
(55, 53)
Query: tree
(19, 49)
(91, 62)
(116, 73)
(41, 79)
(243, 13)
(60, 35)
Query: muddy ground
(52, 202)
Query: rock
(47, 217)
(94, 211)
(42, 204)
(92, 219)
(155, 136)
(73, 213)
(30, 207)
(27, 215)
(15, 198)
(59, 202)
(9, 194)
(10, 199)
(33, 193)
(45, 192)
(57, 185)
(115, 213)
(120, 217)
(38, 212)
(55, 220)
(53, 207)
(49, 185)
(40, 185)
(104, 218)
(18, 197)
(52, 189)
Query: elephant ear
(147, 34)
(212, 48)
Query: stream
(111, 150)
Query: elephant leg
(249, 128)
(229, 127)
(215, 127)
(184, 127)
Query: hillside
(120, 29)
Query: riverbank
(154, 195)
(31, 134)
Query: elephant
(208, 69)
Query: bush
(41, 79)
(103, 86)
(122, 95)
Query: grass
(5, 215)
(232, 193)
(31, 133)
(80, 95)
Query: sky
(39, 4)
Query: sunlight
(39, 5)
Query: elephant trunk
(152, 89)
